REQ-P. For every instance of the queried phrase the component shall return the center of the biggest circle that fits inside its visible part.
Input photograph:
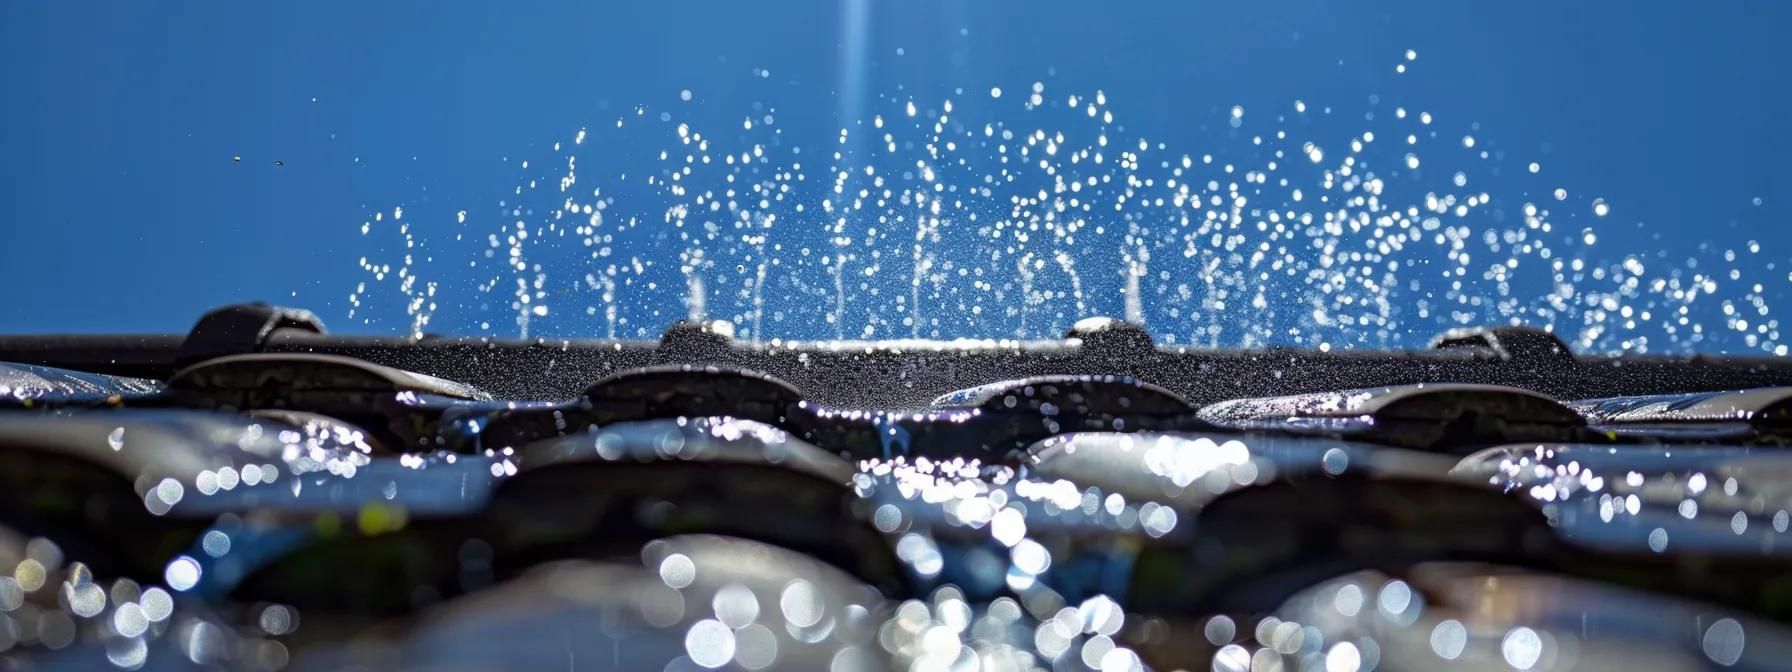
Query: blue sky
(123, 208)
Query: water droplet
(182, 573)
(129, 620)
(1448, 639)
(1031, 557)
(215, 543)
(1232, 658)
(11, 594)
(801, 604)
(276, 620)
(1220, 630)
(29, 574)
(157, 604)
(1335, 461)
(678, 571)
(735, 605)
(709, 643)
(1349, 600)
(1343, 657)
(129, 653)
(1522, 648)
(1395, 597)
(1724, 641)
(755, 647)
(887, 518)
(1008, 527)
(86, 600)
(1121, 660)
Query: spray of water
(987, 215)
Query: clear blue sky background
(121, 208)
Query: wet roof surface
(264, 510)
